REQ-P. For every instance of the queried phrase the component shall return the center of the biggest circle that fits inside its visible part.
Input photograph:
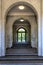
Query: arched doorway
(21, 32)
(23, 12)
(21, 35)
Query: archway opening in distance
(21, 32)
(21, 35)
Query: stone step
(21, 54)
(21, 51)
(22, 64)
(21, 46)
(21, 58)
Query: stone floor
(21, 51)
(24, 64)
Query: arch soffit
(25, 18)
(22, 27)
(20, 2)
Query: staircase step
(21, 59)
(21, 45)
(21, 54)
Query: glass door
(19, 37)
(23, 37)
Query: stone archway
(27, 13)
(38, 37)
(22, 25)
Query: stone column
(42, 27)
(0, 27)
(39, 36)
(3, 32)
(3, 39)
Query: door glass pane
(21, 30)
(23, 37)
(19, 37)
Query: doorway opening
(21, 35)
